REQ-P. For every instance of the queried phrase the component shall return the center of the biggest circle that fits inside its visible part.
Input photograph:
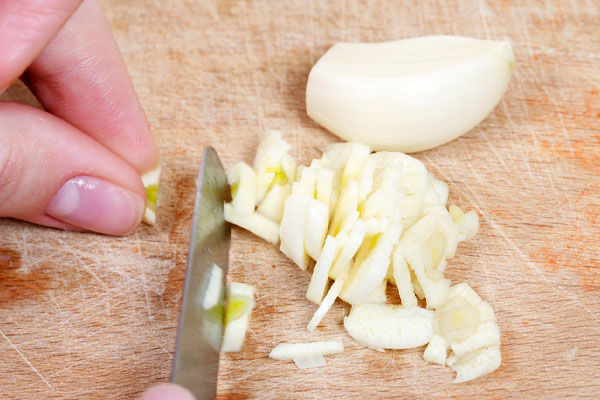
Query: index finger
(26, 27)
(81, 77)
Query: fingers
(26, 27)
(53, 174)
(167, 391)
(81, 78)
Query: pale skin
(77, 164)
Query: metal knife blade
(199, 335)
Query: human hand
(167, 391)
(77, 164)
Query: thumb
(167, 391)
(53, 174)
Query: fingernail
(97, 205)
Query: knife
(199, 334)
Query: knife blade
(199, 334)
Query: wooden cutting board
(84, 316)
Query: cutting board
(85, 316)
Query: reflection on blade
(200, 327)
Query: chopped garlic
(320, 275)
(387, 221)
(436, 194)
(269, 156)
(413, 182)
(486, 334)
(342, 264)
(346, 204)
(309, 176)
(213, 291)
(151, 182)
(272, 204)
(317, 218)
(369, 272)
(388, 326)
(326, 304)
(256, 223)
(293, 227)
(469, 328)
(436, 350)
(310, 361)
(325, 187)
(425, 246)
(365, 180)
(379, 295)
(401, 275)
(458, 319)
(476, 364)
(238, 307)
(467, 223)
(289, 351)
(242, 180)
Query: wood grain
(84, 316)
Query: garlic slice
(151, 182)
(467, 223)
(342, 264)
(256, 223)
(388, 326)
(436, 350)
(293, 227)
(425, 246)
(401, 275)
(317, 220)
(370, 266)
(475, 364)
(238, 307)
(408, 95)
(320, 275)
(326, 304)
(467, 325)
(271, 156)
(271, 205)
(290, 351)
(310, 361)
(242, 179)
